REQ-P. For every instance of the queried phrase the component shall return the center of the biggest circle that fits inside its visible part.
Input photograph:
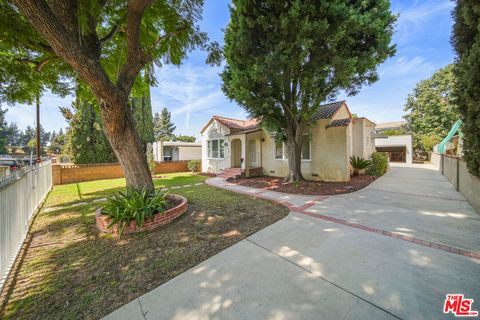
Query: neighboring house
(243, 144)
(176, 150)
(398, 147)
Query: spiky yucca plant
(137, 205)
(358, 164)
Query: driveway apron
(390, 251)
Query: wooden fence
(63, 173)
(21, 194)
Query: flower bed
(179, 206)
(307, 187)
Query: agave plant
(359, 164)
(137, 205)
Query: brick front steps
(149, 224)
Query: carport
(399, 148)
(395, 153)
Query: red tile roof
(328, 110)
(234, 123)
(339, 123)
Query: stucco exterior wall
(329, 155)
(357, 138)
(362, 140)
(342, 113)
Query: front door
(236, 153)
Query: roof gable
(327, 111)
(233, 123)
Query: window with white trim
(216, 149)
(306, 148)
(280, 151)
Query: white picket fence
(21, 193)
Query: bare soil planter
(159, 219)
(306, 187)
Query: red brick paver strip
(302, 210)
(425, 243)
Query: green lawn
(71, 271)
(85, 191)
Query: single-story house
(398, 147)
(176, 150)
(243, 144)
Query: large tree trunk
(119, 127)
(294, 154)
(57, 22)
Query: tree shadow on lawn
(72, 271)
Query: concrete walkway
(390, 251)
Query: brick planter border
(149, 224)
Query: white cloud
(50, 117)
(404, 67)
(192, 94)
(413, 18)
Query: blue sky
(192, 91)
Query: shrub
(124, 207)
(378, 165)
(193, 165)
(358, 164)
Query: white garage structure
(399, 148)
(176, 150)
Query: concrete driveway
(392, 250)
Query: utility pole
(39, 159)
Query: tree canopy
(466, 41)
(285, 58)
(184, 138)
(431, 108)
(103, 47)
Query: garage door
(190, 153)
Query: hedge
(379, 164)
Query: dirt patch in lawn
(307, 187)
(71, 271)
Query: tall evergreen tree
(163, 127)
(85, 139)
(14, 135)
(58, 142)
(466, 40)
(3, 130)
(284, 58)
(142, 112)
